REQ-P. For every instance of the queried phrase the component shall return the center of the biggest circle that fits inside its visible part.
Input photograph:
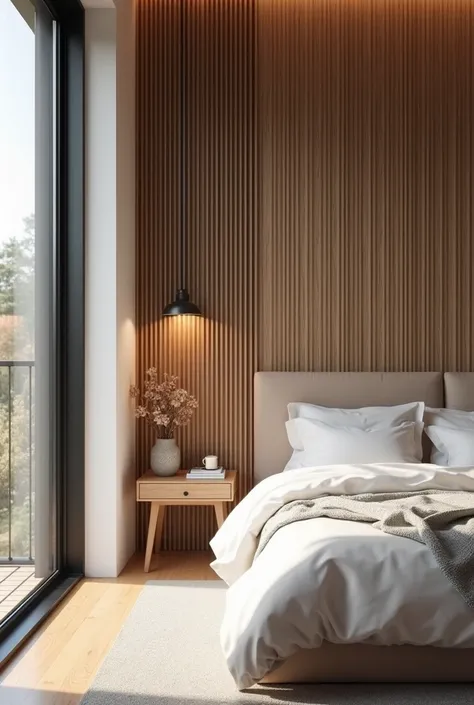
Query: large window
(40, 298)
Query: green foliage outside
(17, 268)
(17, 265)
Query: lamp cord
(182, 141)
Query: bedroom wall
(331, 203)
(110, 287)
(214, 356)
(366, 146)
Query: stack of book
(205, 474)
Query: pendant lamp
(182, 305)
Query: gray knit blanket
(443, 521)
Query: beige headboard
(459, 390)
(274, 391)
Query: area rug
(168, 653)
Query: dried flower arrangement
(165, 406)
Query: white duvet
(327, 579)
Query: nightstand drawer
(200, 490)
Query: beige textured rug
(168, 653)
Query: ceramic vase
(165, 457)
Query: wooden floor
(60, 661)
(16, 582)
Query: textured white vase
(165, 457)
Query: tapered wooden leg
(159, 526)
(221, 513)
(154, 511)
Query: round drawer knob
(185, 493)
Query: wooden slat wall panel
(366, 134)
(331, 163)
(214, 356)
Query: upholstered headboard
(459, 390)
(274, 391)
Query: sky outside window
(17, 121)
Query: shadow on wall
(325, 694)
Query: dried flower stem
(164, 405)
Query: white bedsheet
(326, 579)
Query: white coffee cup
(210, 462)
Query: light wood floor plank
(77, 663)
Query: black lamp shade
(181, 306)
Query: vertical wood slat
(331, 200)
(213, 356)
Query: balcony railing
(16, 461)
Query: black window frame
(70, 375)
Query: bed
(336, 662)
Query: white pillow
(327, 445)
(449, 418)
(451, 446)
(367, 418)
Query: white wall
(125, 148)
(110, 304)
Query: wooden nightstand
(177, 490)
